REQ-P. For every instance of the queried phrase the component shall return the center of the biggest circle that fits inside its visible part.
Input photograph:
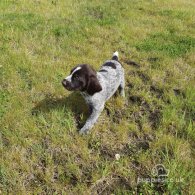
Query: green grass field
(41, 150)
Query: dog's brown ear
(93, 85)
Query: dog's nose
(64, 82)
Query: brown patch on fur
(111, 64)
(93, 85)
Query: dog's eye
(76, 77)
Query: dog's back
(111, 75)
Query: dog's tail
(115, 56)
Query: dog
(96, 87)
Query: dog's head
(82, 78)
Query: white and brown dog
(96, 87)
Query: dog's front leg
(91, 120)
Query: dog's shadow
(73, 102)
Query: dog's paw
(123, 94)
(83, 131)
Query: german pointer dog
(96, 87)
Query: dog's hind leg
(122, 86)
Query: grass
(41, 150)
(170, 43)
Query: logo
(160, 171)
(160, 175)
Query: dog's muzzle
(66, 84)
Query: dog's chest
(87, 98)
